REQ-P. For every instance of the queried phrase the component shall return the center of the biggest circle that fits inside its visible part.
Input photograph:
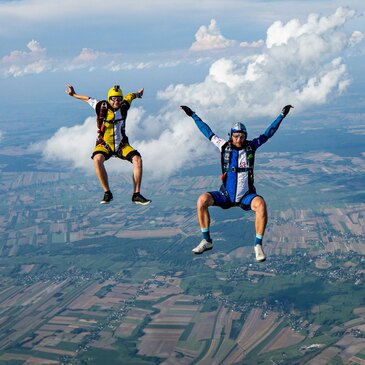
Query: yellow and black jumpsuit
(114, 141)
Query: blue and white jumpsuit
(238, 183)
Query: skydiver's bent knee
(205, 200)
(220, 199)
(127, 152)
(258, 205)
(249, 200)
(100, 151)
(132, 154)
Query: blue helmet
(239, 128)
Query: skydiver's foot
(203, 246)
(137, 198)
(260, 254)
(108, 197)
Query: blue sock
(206, 234)
(258, 240)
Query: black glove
(286, 109)
(187, 110)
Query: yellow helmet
(115, 91)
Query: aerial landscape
(84, 283)
(78, 287)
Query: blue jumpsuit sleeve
(274, 126)
(270, 131)
(203, 127)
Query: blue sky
(229, 60)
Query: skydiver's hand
(70, 90)
(139, 93)
(187, 110)
(286, 109)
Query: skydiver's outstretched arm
(71, 91)
(271, 130)
(273, 127)
(203, 127)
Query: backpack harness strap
(101, 109)
(226, 159)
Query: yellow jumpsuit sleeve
(129, 98)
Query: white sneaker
(260, 254)
(204, 245)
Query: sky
(232, 60)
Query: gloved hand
(187, 110)
(286, 109)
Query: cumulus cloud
(166, 143)
(300, 64)
(280, 33)
(20, 63)
(173, 147)
(210, 38)
(75, 144)
(71, 144)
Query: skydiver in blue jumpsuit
(237, 190)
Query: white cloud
(279, 34)
(173, 149)
(165, 146)
(356, 37)
(210, 38)
(115, 66)
(35, 61)
(20, 63)
(87, 58)
(75, 144)
(317, 88)
(255, 44)
(302, 67)
(1, 135)
(71, 144)
(305, 40)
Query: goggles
(116, 98)
(238, 135)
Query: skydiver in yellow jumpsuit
(112, 140)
